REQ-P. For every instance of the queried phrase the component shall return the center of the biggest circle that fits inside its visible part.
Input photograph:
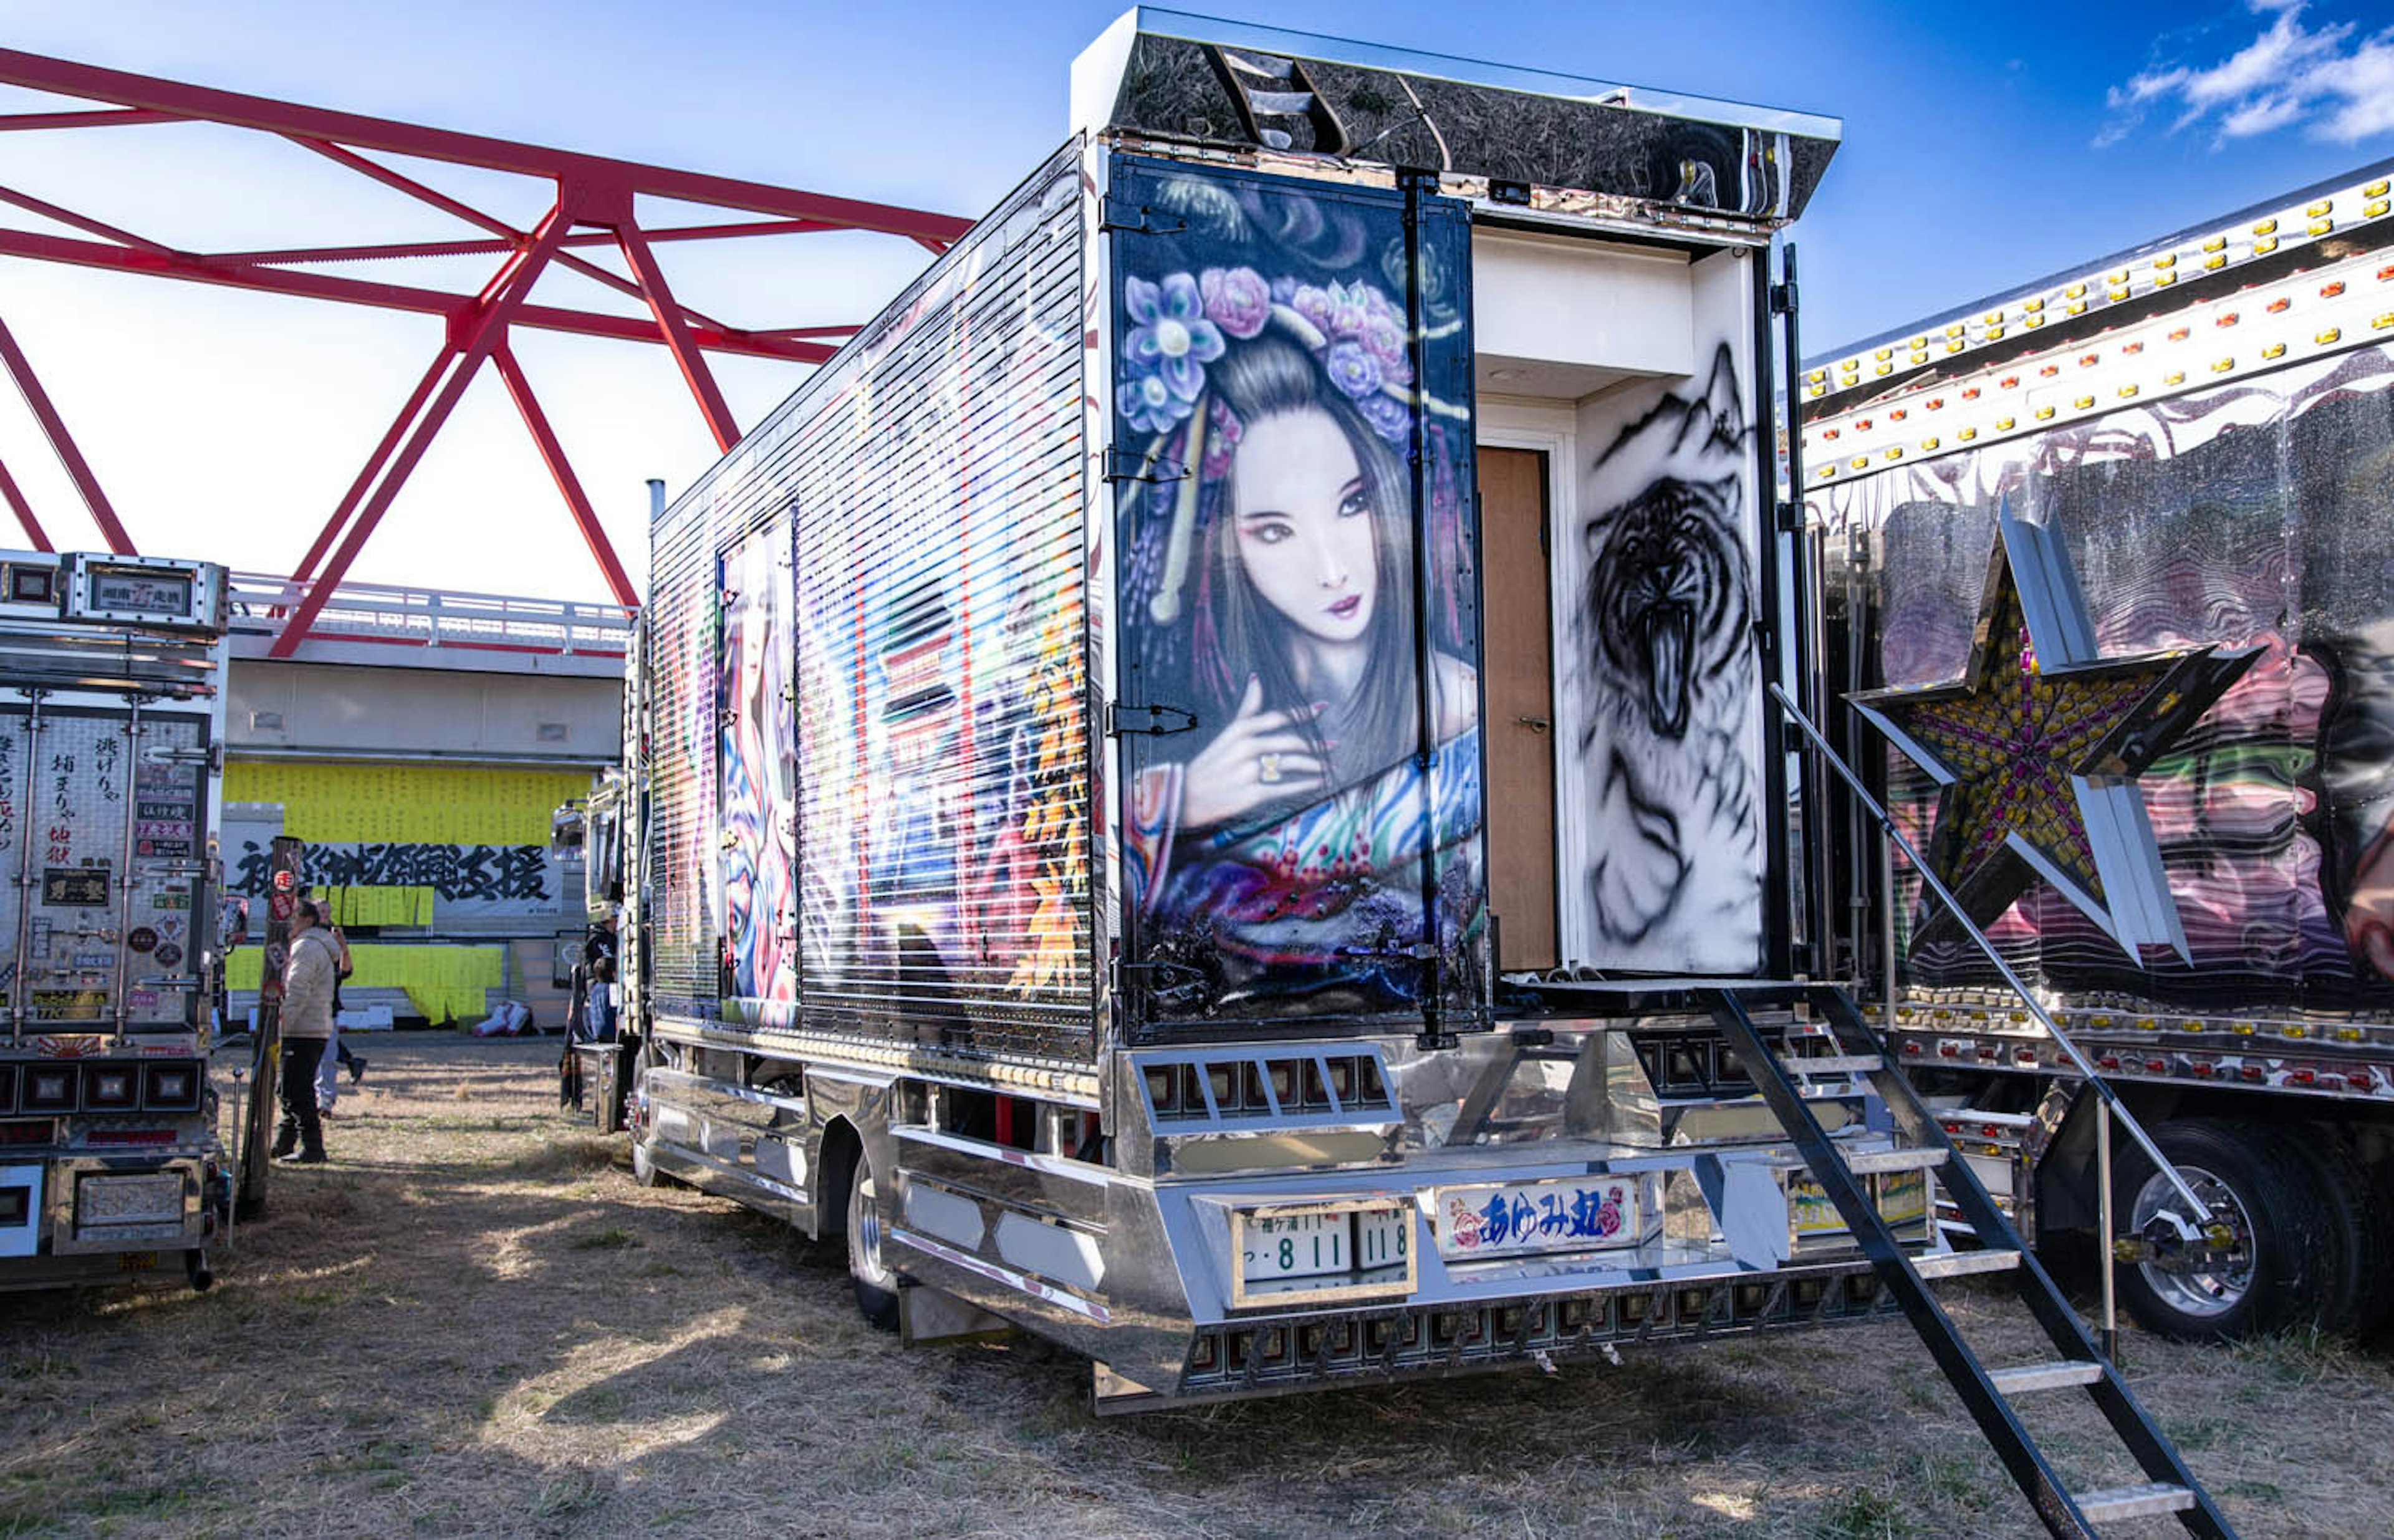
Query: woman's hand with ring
(1259, 757)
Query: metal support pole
(2103, 1210)
(560, 470)
(669, 319)
(334, 525)
(1887, 923)
(133, 730)
(27, 884)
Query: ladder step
(2045, 1377)
(1895, 1160)
(1835, 1063)
(1959, 1264)
(2132, 1502)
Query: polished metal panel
(89, 1213)
(1048, 1186)
(1179, 79)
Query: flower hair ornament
(1187, 321)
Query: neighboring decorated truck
(1187, 792)
(111, 726)
(2112, 568)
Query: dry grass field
(473, 1323)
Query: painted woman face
(1304, 532)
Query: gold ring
(1268, 769)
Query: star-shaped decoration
(2037, 747)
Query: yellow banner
(407, 804)
(444, 982)
(376, 906)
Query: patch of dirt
(473, 1321)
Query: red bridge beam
(473, 336)
(596, 194)
(388, 297)
(176, 98)
(54, 427)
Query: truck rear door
(1298, 707)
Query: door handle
(1535, 724)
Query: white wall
(304, 708)
(1558, 317)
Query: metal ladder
(1855, 1051)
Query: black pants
(301, 1128)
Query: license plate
(1296, 1245)
(1519, 1219)
(155, 1199)
(1904, 1197)
(135, 1261)
(1901, 1196)
(1335, 1251)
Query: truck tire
(2358, 1246)
(2259, 1188)
(876, 1283)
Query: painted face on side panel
(1305, 524)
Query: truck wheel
(876, 1285)
(2358, 1247)
(2257, 1186)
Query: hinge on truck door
(1156, 722)
(1170, 982)
(1122, 465)
(1782, 299)
(1121, 213)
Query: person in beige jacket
(308, 981)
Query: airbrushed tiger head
(1666, 608)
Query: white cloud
(2340, 87)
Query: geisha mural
(1312, 844)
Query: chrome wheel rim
(2215, 1282)
(864, 1233)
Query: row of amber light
(2293, 226)
(2302, 317)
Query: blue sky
(1983, 145)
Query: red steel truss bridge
(593, 214)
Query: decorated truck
(1099, 751)
(1216, 787)
(2111, 588)
(111, 726)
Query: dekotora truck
(1223, 785)
(110, 741)
(2110, 568)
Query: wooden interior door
(1517, 663)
